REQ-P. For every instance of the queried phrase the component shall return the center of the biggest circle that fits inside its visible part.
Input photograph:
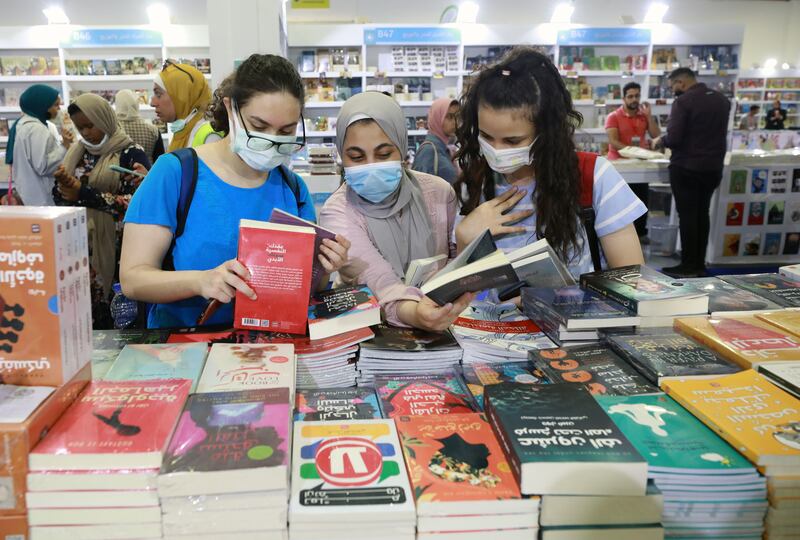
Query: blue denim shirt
(424, 161)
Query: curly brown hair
(526, 79)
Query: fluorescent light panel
(55, 15)
(655, 13)
(468, 12)
(563, 13)
(158, 14)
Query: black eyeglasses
(261, 144)
(169, 62)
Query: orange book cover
(746, 340)
(787, 320)
(17, 440)
(757, 418)
(456, 459)
(14, 527)
(45, 304)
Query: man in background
(628, 126)
(697, 135)
(750, 120)
(776, 116)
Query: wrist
(407, 312)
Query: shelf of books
(763, 89)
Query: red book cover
(305, 347)
(114, 425)
(280, 259)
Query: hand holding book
(333, 255)
(222, 282)
(426, 314)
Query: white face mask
(506, 161)
(93, 147)
(264, 160)
(180, 123)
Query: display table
(637, 171)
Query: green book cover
(670, 438)
(630, 285)
(165, 361)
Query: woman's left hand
(333, 254)
(69, 188)
(134, 179)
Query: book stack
(429, 394)
(725, 298)
(560, 442)
(322, 160)
(791, 272)
(337, 404)
(571, 314)
(651, 295)
(594, 366)
(406, 351)
(709, 489)
(342, 310)
(225, 472)
(234, 367)
(478, 375)
(349, 481)
(141, 362)
(774, 287)
(761, 421)
(462, 484)
(93, 475)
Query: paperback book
(724, 297)
(559, 441)
(341, 310)
(536, 265)
(658, 356)
(594, 366)
(645, 291)
(317, 270)
(423, 395)
(575, 308)
(248, 367)
(337, 404)
(159, 361)
(392, 338)
(18, 402)
(774, 287)
(784, 375)
(787, 320)
(477, 375)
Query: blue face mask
(374, 181)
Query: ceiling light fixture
(158, 14)
(468, 12)
(55, 15)
(655, 13)
(563, 13)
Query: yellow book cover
(746, 340)
(787, 320)
(758, 419)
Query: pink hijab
(436, 117)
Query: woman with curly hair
(520, 172)
(243, 176)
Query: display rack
(762, 87)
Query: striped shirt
(615, 207)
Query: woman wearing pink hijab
(433, 156)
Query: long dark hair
(527, 79)
(259, 74)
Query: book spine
(505, 441)
(590, 284)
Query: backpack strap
(586, 164)
(435, 156)
(189, 166)
(291, 180)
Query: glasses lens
(288, 149)
(258, 144)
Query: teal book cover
(159, 361)
(670, 438)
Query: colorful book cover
(734, 214)
(102, 360)
(722, 296)
(773, 287)
(409, 339)
(756, 213)
(248, 367)
(303, 346)
(428, 394)
(669, 355)
(454, 459)
(336, 404)
(573, 303)
(159, 361)
(670, 438)
(317, 270)
(760, 181)
(776, 212)
(594, 366)
(279, 259)
(745, 340)
(754, 416)
(340, 310)
(45, 297)
(113, 417)
(353, 470)
(223, 431)
(786, 320)
(731, 244)
(738, 182)
(518, 335)
(480, 374)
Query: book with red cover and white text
(279, 259)
(114, 425)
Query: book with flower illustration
(337, 404)
(234, 366)
(456, 467)
(159, 361)
(421, 395)
(752, 415)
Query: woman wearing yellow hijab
(181, 97)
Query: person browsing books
(181, 97)
(32, 150)
(391, 215)
(433, 156)
(242, 176)
(521, 173)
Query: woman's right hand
(425, 314)
(491, 215)
(222, 282)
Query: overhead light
(785, 65)
(55, 15)
(158, 14)
(563, 13)
(770, 63)
(655, 13)
(468, 12)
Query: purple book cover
(284, 218)
(221, 431)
